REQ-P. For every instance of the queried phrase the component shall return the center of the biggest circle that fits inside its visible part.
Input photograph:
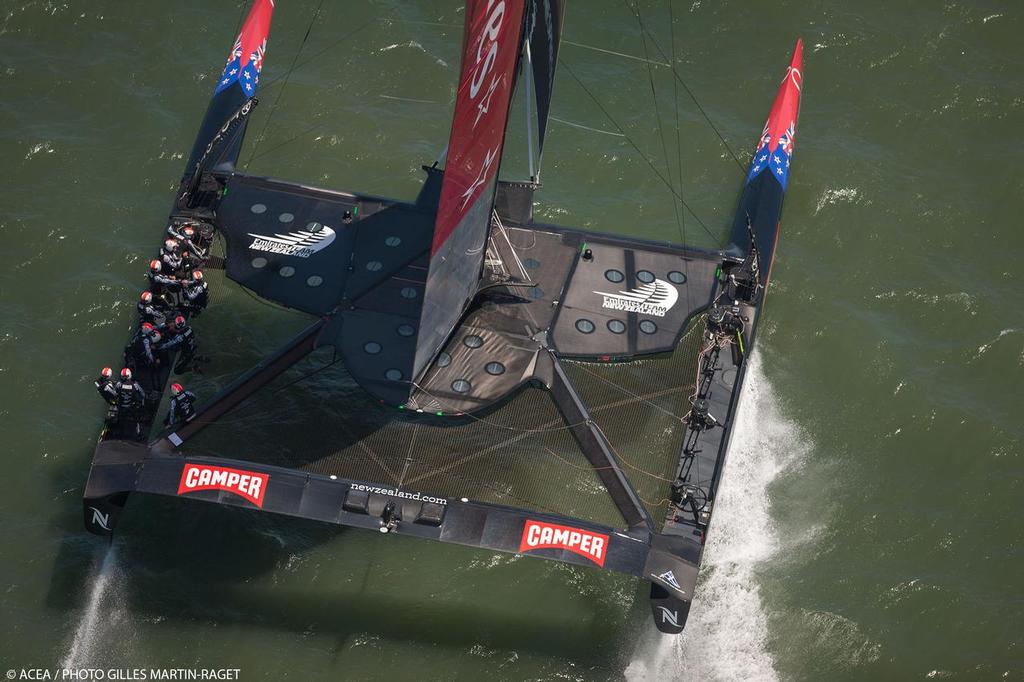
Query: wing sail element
(489, 57)
(236, 86)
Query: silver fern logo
(654, 298)
(302, 243)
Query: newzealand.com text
(394, 492)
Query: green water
(870, 526)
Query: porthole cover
(259, 262)
(616, 326)
(645, 276)
(371, 347)
(648, 327)
(494, 368)
(677, 277)
(473, 341)
(614, 276)
(314, 280)
(258, 208)
(393, 374)
(406, 330)
(286, 271)
(374, 265)
(584, 325)
(443, 360)
(461, 386)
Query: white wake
(726, 633)
(101, 630)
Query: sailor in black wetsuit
(130, 401)
(144, 347)
(170, 257)
(193, 255)
(153, 310)
(182, 406)
(162, 283)
(105, 385)
(180, 338)
(195, 294)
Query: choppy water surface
(870, 523)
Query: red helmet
(154, 265)
(171, 244)
(147, 327)
(155, 335)
(126, 374)
(179, 321)
(176, 389)
(197, 275)
(106, 372)
(146, 297)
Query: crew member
(182, 407)
(153, 310)
(171, 257)
(160, 282)
(105, 385)
(193, 255)
(143, 346)
(195, 294)
(180, 338)
(130, 401)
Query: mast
(490, 49)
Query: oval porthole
(616, 326)
(461, 386)
(473, 341)
(677, 277)
(584, 326)
(409, 292)
(314, 280)
(374, 265)
(371, 347)
(313, 226)
(645, 276)
(535, 292)
(648, 327)
(406, 330)
(531, 263)
(258, 208)
(286, 271)
(286, 217)
(392, 241)
(494, 368)
(614, 276)
(393, 374)
(443, 360)
(259, 262)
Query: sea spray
(726, 633)
(100, 629)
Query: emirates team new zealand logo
(655, 298)
(302, 243)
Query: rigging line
(633, 144)
(335, 361)
(679, 144)
(329, 47)
(629, 393)
(291, 139)
(689, 92)
(617, 54)
(583, 127)
(661, 134)
(288, 74)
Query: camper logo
(248, 484)
(654, 298)
(540, 535)
(302, 243)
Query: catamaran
(534, 389)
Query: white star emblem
(776, 159)
(779, 171)
(757, 168)
(249, 76)
(485, 103)
(764, 157)
(468, 194)
(233, 71)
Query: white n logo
(668, 616)
(100, 519)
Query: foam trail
(726, 633)
(102, 620)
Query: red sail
(481, 110)
(491, 46)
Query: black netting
(520, 453)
